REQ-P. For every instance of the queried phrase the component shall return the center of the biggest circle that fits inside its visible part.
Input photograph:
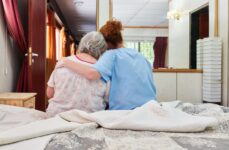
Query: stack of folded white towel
(212, 68)
(199, 54)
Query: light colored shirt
(131, 78)
(73, 91)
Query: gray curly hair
(93, 43)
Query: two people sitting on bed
(128, 71)
(68, 90)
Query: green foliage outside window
(145, 48)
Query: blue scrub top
(131, 78)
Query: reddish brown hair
(112, 32)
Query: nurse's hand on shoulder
(60, 63)
(64, 62)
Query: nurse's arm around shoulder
(102, 69)
(87, 71)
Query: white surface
(152, 116)
(189, 87)
(137, 34)
(11, 116)
(141, 12)
(166, 86)
(212, 69)
(103, 12)
(36, 144)
(130, 34)
(36, 129)
(183, 86)
(224, 34)
(209, 85)
(9, 59)
(199, 55)
(179, 33)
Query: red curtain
(16, 31)
(160, 47)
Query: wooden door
(203, 25)
(199, 29)
(37, 50)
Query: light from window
(145, 48)
(133, 45)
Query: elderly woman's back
(73, 91)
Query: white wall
(129, 33)
(142, 34)
(179, 31)
(224, 35)
(103, 12)
(9, 59)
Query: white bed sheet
(11, 116)
(34, 144)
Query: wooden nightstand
(18, 99)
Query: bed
(94, 137)
(12, 116)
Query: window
(145, 48)
(58, 45)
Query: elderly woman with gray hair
(68, 90)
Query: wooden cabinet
(166, 86)
(18, 99)
(186, 87)
(189, 87)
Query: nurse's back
(129, 71)
(132, 81)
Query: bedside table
(18, 99)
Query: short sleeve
(105, 65)
(51, 82)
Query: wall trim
(97, 15)
(216, 29)
(227, 102)
(110, 9)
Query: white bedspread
(11, 116)
(152, 116)
(34, 144)
(37, 129)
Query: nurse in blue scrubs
(128, 71)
